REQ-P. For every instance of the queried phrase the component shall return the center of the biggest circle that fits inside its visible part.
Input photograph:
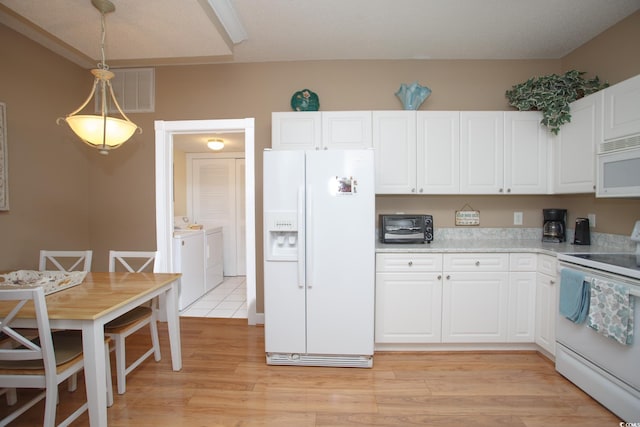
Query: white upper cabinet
(313, 130)
(622, 109)
(346, 129)
(481, 152)
(575, 146)
(526, 153)
(394, 141)
(300, 130)
(438, 152)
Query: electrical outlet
(592, 220)
(517, 218)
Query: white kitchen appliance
(319, 244)
(188, 257)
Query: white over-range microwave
(619, 171)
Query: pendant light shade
(102, 131)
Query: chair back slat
(61, 259)
(21, 347)
(143, 260)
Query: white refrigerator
(319, 257)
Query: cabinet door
(346, 129)
(408, 307)
(438, 152)
(474, 307)
(575, 147)
(546, 309)
(526, 158)
(622, 109)
(394, 140)
(481, 152)
(522, 307)
(300, 130)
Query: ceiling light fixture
(215, 144)
(102, 132)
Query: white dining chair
(129, 323)
(65, 260)
(43, 362)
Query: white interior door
(213, 203)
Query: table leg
(94, 372)
(173, 325)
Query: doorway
(165, 132)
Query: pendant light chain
(103, 65)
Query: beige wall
(48, 186)
(113, 205)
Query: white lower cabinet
(408, 298)
(456, 298)
(522, 297)
(546, 303)
(474, 298)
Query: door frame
(164, 192)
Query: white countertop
(491, 245)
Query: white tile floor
(228, 299)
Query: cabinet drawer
(476, 262)
(522, 262)
(408, 262)
(547, 264)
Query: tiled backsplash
(613, 241)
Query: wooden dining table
(100, 298)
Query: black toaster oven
(405, 228)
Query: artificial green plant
(552, 94)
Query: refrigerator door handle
(301, 238)
(309, 233)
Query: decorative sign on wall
(4, 162)
(467, 216)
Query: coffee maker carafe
(554, 225)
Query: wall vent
(632, 141)
(134, 89)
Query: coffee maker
(554, 225)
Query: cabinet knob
(477, 263)
(448, 276)
(552, 282)
(413, 190)
(421, 190)
(410, 263)
(508, 190)
(439, 276)
(501, 190)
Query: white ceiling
(147, 33)
(166, 32)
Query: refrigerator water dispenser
(282, 238)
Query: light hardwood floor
(225, 382)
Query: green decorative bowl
(305, 100)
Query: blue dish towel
(611, 310)
(574, 295)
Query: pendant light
(102, 131)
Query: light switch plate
(517, 218)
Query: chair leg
(121, 364)
(72, 383)
(154, 339)
(50, 403)
(108, 374)
(12, 396)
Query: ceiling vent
(134, 89)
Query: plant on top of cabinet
(552, 95)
